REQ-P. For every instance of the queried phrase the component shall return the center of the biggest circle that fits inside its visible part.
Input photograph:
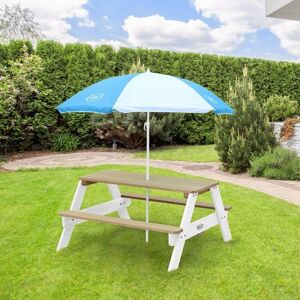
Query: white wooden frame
(119, 204)
(191, 229)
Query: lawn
(108, 262)
(203, 153)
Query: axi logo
(94, 97)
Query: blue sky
(262, 43)
(225, 27)
(117, 12)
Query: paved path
(285, 190)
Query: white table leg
(68, 226)
(221, 214)
(116, 194)
(180, 240)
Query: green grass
(109, 262)
(203, 153)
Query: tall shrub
(80, 62)
(52, 79)
(105, 62)
(245, 134)
(23, 111)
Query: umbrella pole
(147, 172)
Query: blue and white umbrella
(145, 92)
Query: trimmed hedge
(67, 69)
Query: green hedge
(67, 69)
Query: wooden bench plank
(121, 222)
(168, 183)
(170, 200)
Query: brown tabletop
(168, 183)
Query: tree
(18, 23)
(128, 129)
(245, 134)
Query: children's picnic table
(177, 235)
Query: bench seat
(121, 222)
(169, 200)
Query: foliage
(279, 108)
(80, 69)
(105, 63)
(277, 163)
(245, 134)
(128, 129)
(23, 112)
(18, 23)
(68, 69)
(15, 49)
(53, 79)
(196, 129)
(65, 142)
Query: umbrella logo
(94, 97)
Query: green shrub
(279, 108)
(277, 163)
(65, 142)
(196, 129)
(245, 134)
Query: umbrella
(145, 92)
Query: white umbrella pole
(147, 172)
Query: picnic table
(177, 235)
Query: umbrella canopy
(145, 92)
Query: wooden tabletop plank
(168, 183)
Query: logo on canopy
(94, 97)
